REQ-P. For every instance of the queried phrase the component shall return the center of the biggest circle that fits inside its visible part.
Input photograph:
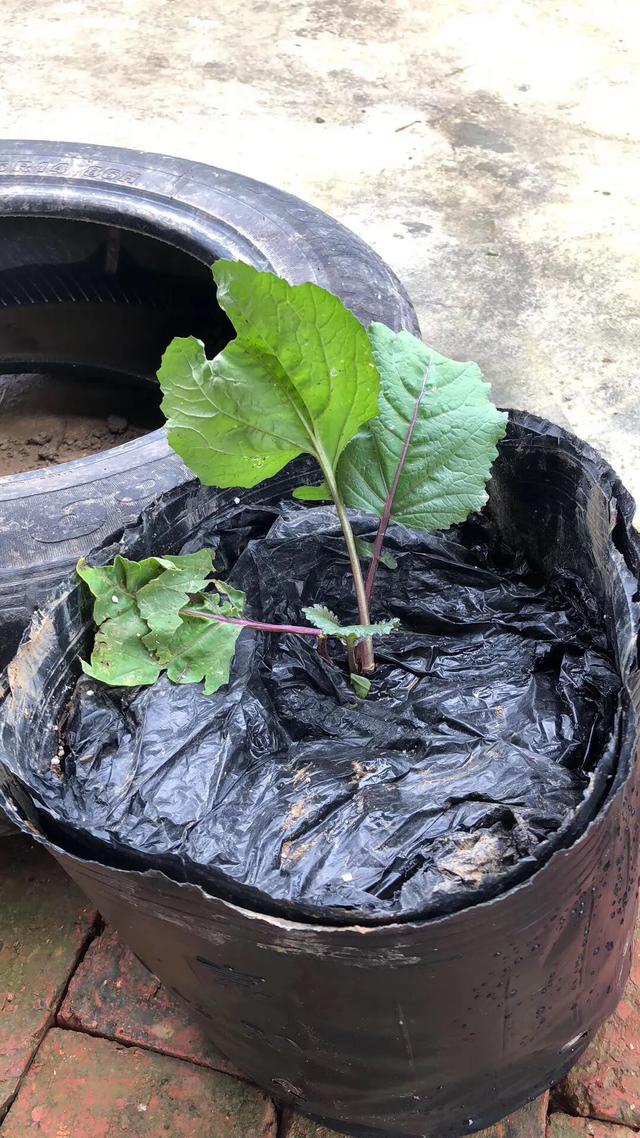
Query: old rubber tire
(104, 256)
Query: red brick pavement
(44, 926)
(113, 995)
(92, 1088)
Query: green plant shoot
(397, 430)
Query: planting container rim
(618, 777)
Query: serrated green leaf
(360, 684)
(115, 586)
(365, 552)
(299, 378)
(160, 600)
(144, 630)
(119, 657)
(321, 617)
(209, 430)
(453, 446)
(197, 650)
(158, 586)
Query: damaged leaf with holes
(142, 630)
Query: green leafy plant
(397, 431)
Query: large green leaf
(453, 445)
(143, 630)
(299, 378)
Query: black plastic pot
(105, 255)
(435, 1027)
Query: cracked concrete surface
(487, 149)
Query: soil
(45, 422)
(33, 441)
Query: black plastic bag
(287, 793)
(430, 1027)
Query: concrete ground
(487, 148)
(92, 1045)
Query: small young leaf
(313, 493)
(299, 378)
(453, 446)
(360, 684)
(365, 551)
(322, 617)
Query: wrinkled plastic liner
(433, 1027)
(287, 793)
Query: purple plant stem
(259, 625)
(388, 506)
